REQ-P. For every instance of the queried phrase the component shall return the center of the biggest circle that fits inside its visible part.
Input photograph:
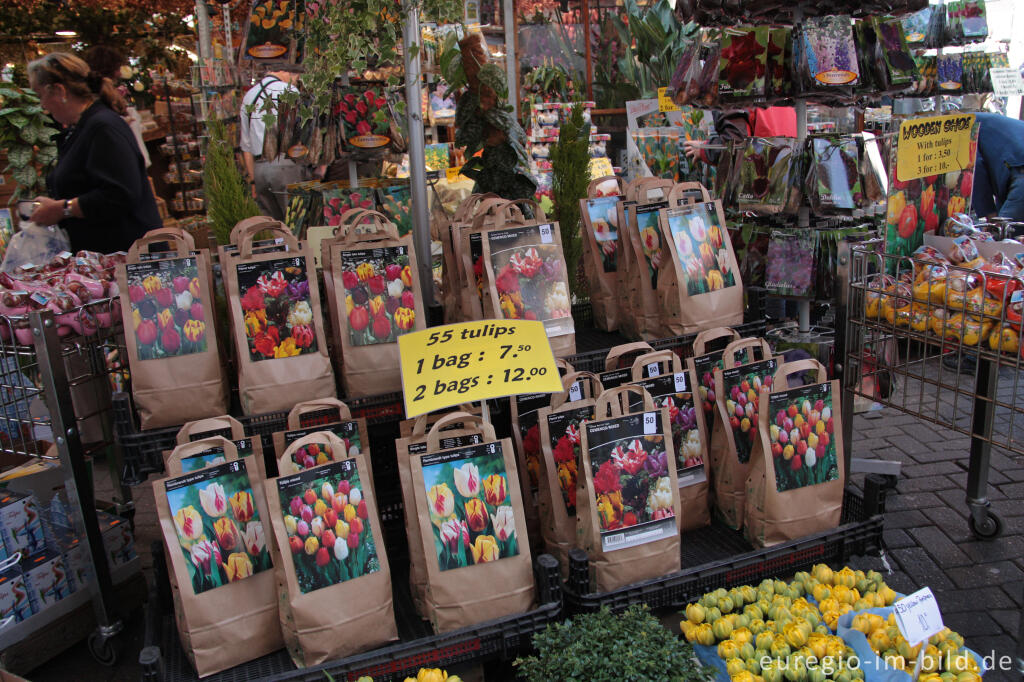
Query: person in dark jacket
(98, 190)
(999, 168)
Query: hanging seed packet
(217, 502)
(278, 314)
(802, 437)
(776, 82)
(564, 430)
(527, 406)
(167, 309)
(742, 386)
(328, 525)
(830, 51)
(951, 73)
(790, 263)
(396, 204)
(836, 170)
(436, 156)
(659, 148)
(916, 25)
(270, 30)
(467, 490)
(674, 391)
(764, 184)
(632, 487)
(898, 60)
(974, 21)
(742, 64)
(650, 237)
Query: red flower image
(164, 297)
(180, 284)
(529, 315)
(629, 519)
(196, 312)
(377, 284)
(303, 335)
(564, 451)
(146, 332)
(908, 222)
(359, 318)
(408, 300)
(966, 183)
(352, 117)
(526, 264)
(392, 272)
(363, 128)
(507, 281)
(361, 108)
(171, 340)
(273, 286)
(136, 293)
(607, 479)
(253, 300)
(349, 279)
(630, 459)
(266, 342)
(381, 326)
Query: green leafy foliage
(228, 198)
(27, 136)
(570, 169)
(605, 646)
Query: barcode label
(575, 392)
(614, 540)
(680, 378)
(653, 370)
(650, 423)
(545, 234)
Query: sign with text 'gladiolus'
(461, 363)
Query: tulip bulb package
(212, 521)
(473, 534)
(796, 479)
(600, 256)
(627, 512)
(332, 570)
(277, 312)
(177, 372)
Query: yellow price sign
(601, 167)
(453, 173)
(933, 146)
(461, 363)
(665, 102)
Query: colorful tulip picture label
(14, 599)
(802, 437)
(168, 314)
(790, 262)
(396, 204)
(338, 200)
(682, 416)
(379, 301)
(837, 168)
(527, 406)
(742, 386)
(276, 309)
(327, 522)
(699, 240)
(764, 174)
(529, 273)
(365, 117)
(470, 507)
(315, 454)
(219, 529)
(602, 218)
(633, 492)
(650, 237)
(214, 455)
(270, 29)
(564, 432)
(704, 367)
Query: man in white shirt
(269, 177)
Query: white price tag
(653, 370)
(650, 423)
(680, 378)
(545, 234)
(575, 392)
(1006, 82)
(918, 617)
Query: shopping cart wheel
(990, 527)
(103, 648)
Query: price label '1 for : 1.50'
(461, 363)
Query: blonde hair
(77, 78)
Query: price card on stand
(665, 102)
(461, 363)
(918, 617)
(1006, 82)
(933, 146)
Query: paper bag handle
(255, 223)
(419, 427)
(594, 184)
(617, 352)
(181, 452)
(467, 207)
(729, 355)
(210, 424)
(183, 242)
(285, 465)
(596, 388)
(708, 335)
(538, 212)
(564, 365)
(677, 192)
(295, 416)
(786, 369)
(383, 228)
(274, 227)
(615, 401)
(658, 356)
(436, 431)
(642, 188)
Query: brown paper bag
(224, 425)
(600, 216)
(627, 521)
(333, 579)
(452, 286)
(700, 285)
(737, 392)
(701, 365)
(407, 426)
(278, 329)
(488, 214)
(476, 551)
(641, 256)
(199, 454)
(794, 490)
(177, 372)
(378, 270)
(324, 415)
(454, 430)
(618, 363)
(221, 572)
(673, 388)
(348, 219)
(560, 423)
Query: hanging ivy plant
(26, 134)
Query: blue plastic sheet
(708, 655)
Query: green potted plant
(27, 135)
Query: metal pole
(203, 27)
(229, 47)
(510, 55)
(588, 67)
(417, 159)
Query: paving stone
(910, 500)
(1009, 620)
(885, 430)
(926, 433)
(973, 625)
(951, 522)
(984, 574)
(913, 446)
(991, 492)
(978, 600)
(897, 539)
(926, 484)
(919, 565)
(1015, 592)
(939, 545)
(948, 451)
(912, 518)
(930, 469)
(1008, 509)
(1014, 491)
(864, 446)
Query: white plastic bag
(35, 245)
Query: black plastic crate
(499, 639)
(718, 556)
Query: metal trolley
(56, 376)
(955, 361)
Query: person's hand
(692, 149)
(48, 212)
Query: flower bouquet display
(737, 392)
(674, 390)
(461, 429)
(212, 522)
(330, 556)
(375, 299)
(601, 251)
(526, 280)
(559, 424)
(177, 373)
(277, 325)
(700, 285)
(472, 532)
(627, 497)
(795, 484)
(365, 117)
